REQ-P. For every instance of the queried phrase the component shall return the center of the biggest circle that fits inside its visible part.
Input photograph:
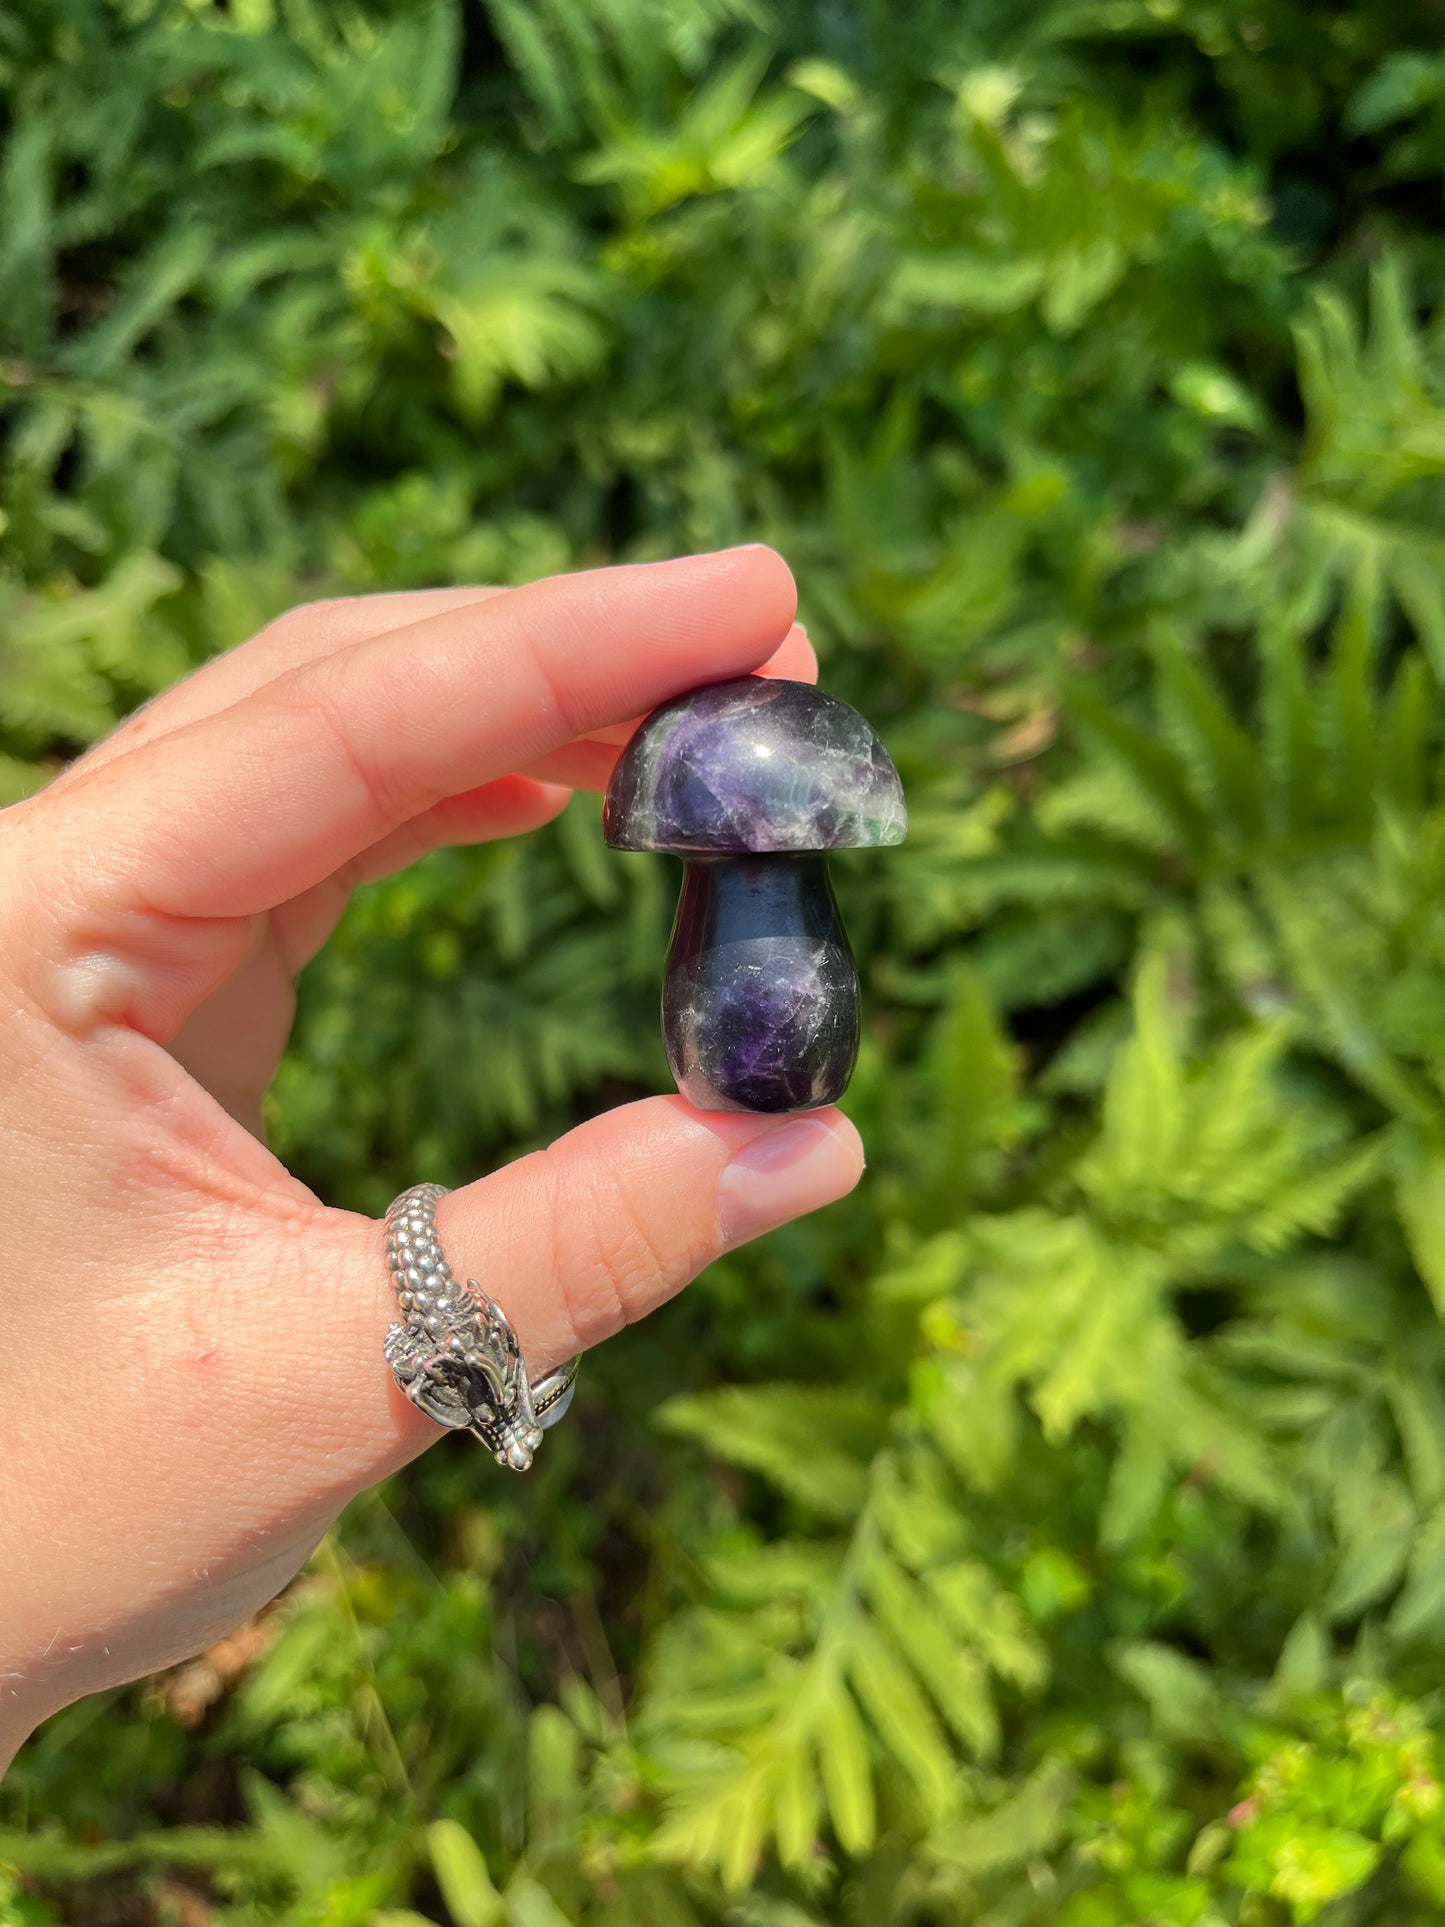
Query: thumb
(574, 1242)
(255, 1398)
(621, 1213)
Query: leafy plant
(1055, 1531)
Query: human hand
(192, 1382)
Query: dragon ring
(453, 1351)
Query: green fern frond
(764, 1718)
(811, 1444)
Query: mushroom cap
(757, 764)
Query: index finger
(587, 764)
(242, 810)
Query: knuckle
(630, 1259)
(316, 695)
(44, 864)
(610, 1264)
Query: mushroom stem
(760, 993)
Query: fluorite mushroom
(752, 782)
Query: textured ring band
(454, 1352)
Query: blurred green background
(1054, 1532)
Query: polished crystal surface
(754, 765)
(760, 996)
(751, 782)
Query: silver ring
(454, 1352)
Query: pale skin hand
(165, 1467)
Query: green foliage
(1055, 1531)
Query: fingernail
(801, 1165)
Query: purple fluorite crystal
(758, 764)
(760, 1000)
(752, 781)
